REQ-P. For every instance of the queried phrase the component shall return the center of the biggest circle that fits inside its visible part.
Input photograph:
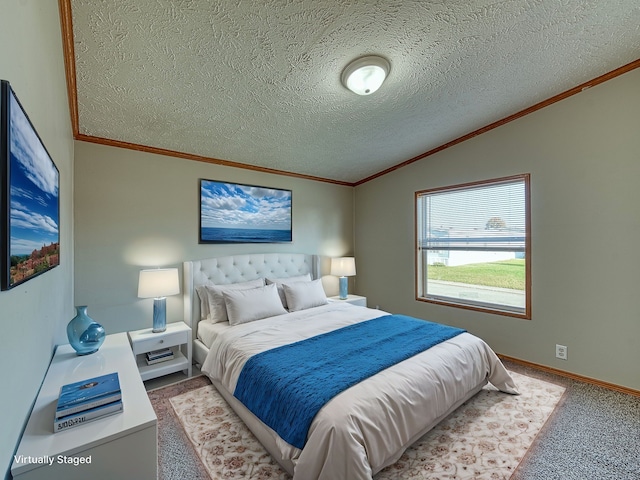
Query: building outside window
(473, 246)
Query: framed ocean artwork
(30, 202)
(238, 213)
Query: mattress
(368, 426)
(208, 331)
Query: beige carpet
(486, 438)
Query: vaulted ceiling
(256, 83)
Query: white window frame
(423, 247)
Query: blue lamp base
(159, 314)
(344, 288)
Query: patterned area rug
(486, 438)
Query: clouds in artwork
(226, 205)
(34, 205)
(22, 217)
(28, 151)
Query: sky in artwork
(34, 188)
(230, 205)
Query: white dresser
(123, 445)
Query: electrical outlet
(561, 352)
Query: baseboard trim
(573, 376)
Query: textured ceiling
(258, 82)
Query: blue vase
(84, 334)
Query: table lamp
(158, 284)
(343, 267)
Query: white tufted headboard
(240, 268)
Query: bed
(365, 427)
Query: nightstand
(177, 336)
(352, 299)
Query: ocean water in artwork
(244, 235)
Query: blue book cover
(88, 390)
(66, 410)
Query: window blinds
(487, 216)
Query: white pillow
(287, 281)
(204, 300)
(217, 307)
(254, 304)
(303, 295)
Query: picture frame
(30, 197)
(240, 213)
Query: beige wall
(584, 158)
(137, 210)
(34, 315)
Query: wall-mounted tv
(29, 197)
(237, 213)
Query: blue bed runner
(285, 387)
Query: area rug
(486, 438)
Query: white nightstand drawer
(163, 340)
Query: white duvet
(368, 426)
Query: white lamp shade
(343, 266)
(160, 282)
(365, 75)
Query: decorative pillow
(245, 306)
(215, 293)
(303, 295)
(204, 300)
(279, 282)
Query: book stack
(158, 356)
(88, 400)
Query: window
(472, 246)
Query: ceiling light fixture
(365, 75)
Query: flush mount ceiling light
(365, 75)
